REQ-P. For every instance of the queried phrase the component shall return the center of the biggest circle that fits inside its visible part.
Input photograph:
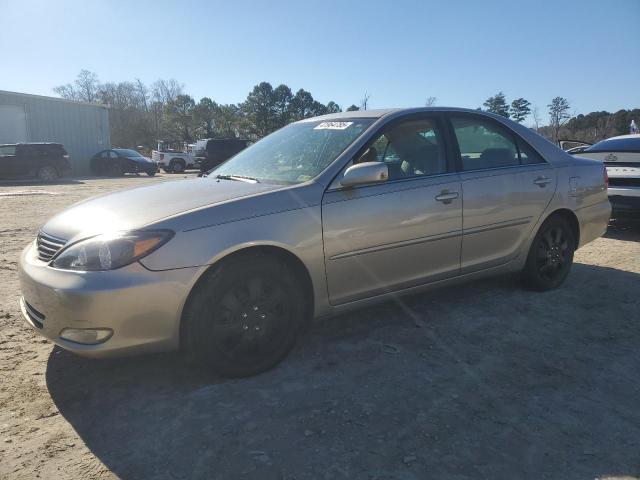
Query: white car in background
(621, 156)
(173, 158)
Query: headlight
(111, 251)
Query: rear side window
(28, 151)
(53, 149)
(7, 150)
(41, 150)
(528, 155)
(484, 144)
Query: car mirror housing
(365, 173)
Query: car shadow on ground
(624, 229)
(82, 180)
(480, 381)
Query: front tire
(550, 256)
(244, 317)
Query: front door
(401, 233)
(507, 186)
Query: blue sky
(401, 52)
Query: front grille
(34, 315)
(48, 246)
(624, 182)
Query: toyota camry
(325, 215)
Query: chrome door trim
(495, 226)
(403, 243)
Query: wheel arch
(571, 219)
(292, 261)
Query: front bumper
(140, 306)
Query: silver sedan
(325, 215)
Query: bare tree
(364, 103)
(558, 115)
(535, 114)
(603, 127)
(87, 85)
(143, 94)
(430, 102)
(85, 88)
(165, 91)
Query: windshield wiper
(239, 178)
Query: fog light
(86, 336)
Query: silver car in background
(325, 215)
(621, 157)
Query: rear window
(616, 145)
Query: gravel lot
(480, 381)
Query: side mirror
(365, 173)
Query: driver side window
(412, 148)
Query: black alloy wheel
(244, 317)
(551, 255)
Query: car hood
(142, 206)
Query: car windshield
(125, 152)
(296, 153)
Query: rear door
(25, 160)
(401, 233)
(507, 186)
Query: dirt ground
(481, 381)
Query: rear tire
(550, 256)
(244, 317)
(47, 173)
(177, 166)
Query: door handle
(446, 196)
(542, 181)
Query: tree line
(590, 128)
(140, 114)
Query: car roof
(549, 151)
(28, 143)
(379, 113)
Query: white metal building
(83, 128)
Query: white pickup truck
(173, 160)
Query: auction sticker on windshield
(333, 126)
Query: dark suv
(46, 161)
(219, 150)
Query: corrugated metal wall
(82, 128)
